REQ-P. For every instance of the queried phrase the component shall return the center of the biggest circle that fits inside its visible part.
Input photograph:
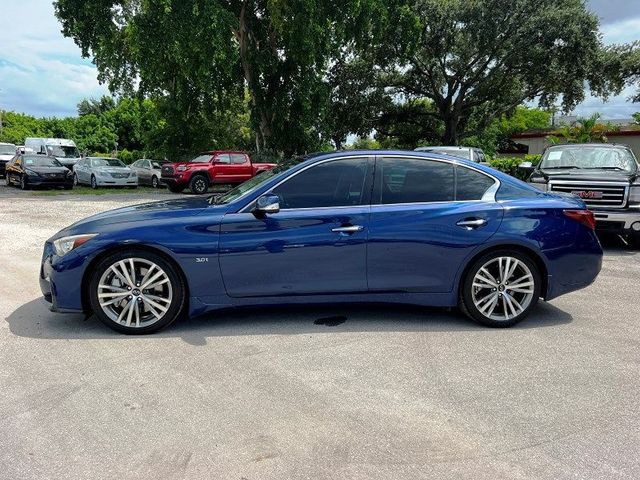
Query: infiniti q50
(362, 226)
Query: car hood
(112, 169)
(142, 214)
(589, 174)
(47, 169)
(6, 156)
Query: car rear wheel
(75, 180)
(199, 184)
(501, 288)
(136, 292)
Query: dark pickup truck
(222, 167)
(605, 176)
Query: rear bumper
(625, 221)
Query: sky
(43, 73)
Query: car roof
(214, 152)
(604, 145)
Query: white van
(63, 149)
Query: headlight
(100, 173)
(31, 172)
(133, 174)
(64, 245)
(634, 196)
(182, 168)
(539, 181)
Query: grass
(97, 191)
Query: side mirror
(526, 166)
(268, 203)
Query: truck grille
(594, 194)
(167, 171)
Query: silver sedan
(104, 172)
(149, 172)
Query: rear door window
(223, 158)
(238, 158)
(414, 180)
(471, 184)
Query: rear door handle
(348, 229)
(471, 223)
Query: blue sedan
(361, 226)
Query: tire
(154, 182)
(94, 182)
(7, 181)
(75, 180)
(489, 299)
(199, 184)
(23, 183)
(175, 188)
(634, 241)
(134, 307)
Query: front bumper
(117, 182)
(624, 221)
(174, 180)
(50, 182)
(55, 271)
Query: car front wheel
(136, 292)
(501, 288)
(199, 184)
(23, 183)
(154, 182)
(94, 182)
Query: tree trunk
(450, 136)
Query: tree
(476, 61)
(584, 130)
(196, 57)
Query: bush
(509, 165)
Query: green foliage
(365, 143)
(478, 60)
(636, 117)
(585, 130)
(509, 165)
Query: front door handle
(471, 223)
(348, 229)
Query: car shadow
(34, 320)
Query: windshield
(41, 161)
(7, 149)
(62, 151)
(201, 159)
(251, 185)
(456, 152)
(589, 156)
(106, 162)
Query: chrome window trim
(489, 195)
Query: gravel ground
(268, 394)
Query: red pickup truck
(223, 167)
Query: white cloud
(625, 31)
(41, 72)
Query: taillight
(585, 217)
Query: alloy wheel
(503, 288)
(135, 292)
(75, 179)
(154, 182)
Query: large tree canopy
(477, 60)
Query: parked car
(361, 226)
(23, 149)
(468, 153)
(30, 170)
(605, 176)
(149, 171)
(63, 149)
(104, 172)
(223, 167)
(7, 152)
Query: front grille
(594, 194)
(120, 175)
(167, 170)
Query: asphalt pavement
(338, 392)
